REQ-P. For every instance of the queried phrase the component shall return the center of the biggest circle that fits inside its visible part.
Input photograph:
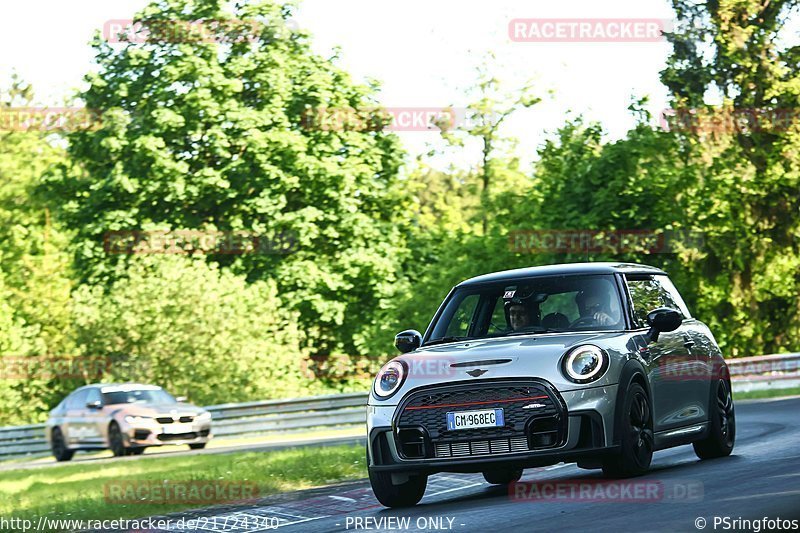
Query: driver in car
(593, 306)
(518, 316)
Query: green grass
(766, 393)
(76, 491)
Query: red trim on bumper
(474, 403)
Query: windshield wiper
(534, 331)
(446, 339)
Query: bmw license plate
(487, 418)
(174, 429)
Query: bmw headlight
(585, 364)
(138, 420)
(203, 417)
(389, 379)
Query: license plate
(487, 418)
(173, 429)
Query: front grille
(482, 447)
(185, 419)
(541, 425)
(177, 436)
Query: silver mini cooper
(599, 364)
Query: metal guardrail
(229, 420)
(778, 371)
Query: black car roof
(564, 269)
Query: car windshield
(138, 396)
(534, 305)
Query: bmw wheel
(637, 441)
(59, 446)
(115, 440)
(722, 425)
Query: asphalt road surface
(681, 493)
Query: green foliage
(197, 330)
(746, 179)
(35, 280)
(204, 135)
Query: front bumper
(157, 435)
(583, 432)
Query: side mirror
(662, 320)
(181, 399)
(97, 404)
(408, 340)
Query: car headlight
(137, 420)
(203, 417)
(389, 379)
(585, 364)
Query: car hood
(155, 409)
(528, 356)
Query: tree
(745, 157)
(214, 134)
(35, 280)
(196, 329)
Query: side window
(675, 296)
(498, 322)
(77, 400)
(651, 292)
(459, 325)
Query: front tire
(502, 476)
(637, 442)
(406, 494)
(722, 425)
(59, 446)
(115, 441)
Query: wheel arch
(632, 372)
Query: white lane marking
(448, 478)
(292, 523)
(562, 465)
(287, 514)
(766, 495)
(455, 489)
(342, 498)
(787, 475)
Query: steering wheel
(495, 326)
(584, 321)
